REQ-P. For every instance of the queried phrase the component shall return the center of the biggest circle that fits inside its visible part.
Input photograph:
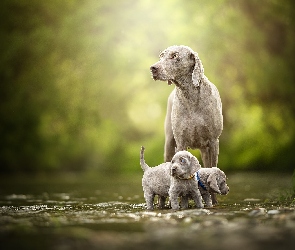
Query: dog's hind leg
(149, 198)
(210, 154)
(214, 151)
(205, 154)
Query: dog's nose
(173, 169)
(154, 68)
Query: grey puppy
(194, 112)
(211, 181)
(155, 181)
(183, 182)
(158, 180)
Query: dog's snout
(155, 71)
(154, 68)
(173, 169)
(225, 191)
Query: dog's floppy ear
(198, 71)
(213, 182)
(195, 165)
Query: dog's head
(176, 63)
(184, 165)
(217, 181)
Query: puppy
(155, 181)
(183, 182)
(211, 181)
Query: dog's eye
(182, 160)
(174, 56)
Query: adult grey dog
(194, 113)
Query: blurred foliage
(76, 91)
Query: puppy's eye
(182, 160)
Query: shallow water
(108, 212)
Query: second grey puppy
(183, 182)
(211, 181)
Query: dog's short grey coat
(194, 113)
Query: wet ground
(108, 212)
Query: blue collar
(200, 183)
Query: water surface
(108, 212)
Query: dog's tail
(143, 165)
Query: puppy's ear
(195, 165)
(198, 71)
(212, 182)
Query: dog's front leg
(214, 198)
(184, 202)
(207, 198)
(196, 195)
(170, 144)
(174, 200)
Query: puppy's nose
(173, 169)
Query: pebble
(257, 212)
(273, 212)
(251, 200)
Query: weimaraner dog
(194, 111)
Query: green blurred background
(76, 91)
